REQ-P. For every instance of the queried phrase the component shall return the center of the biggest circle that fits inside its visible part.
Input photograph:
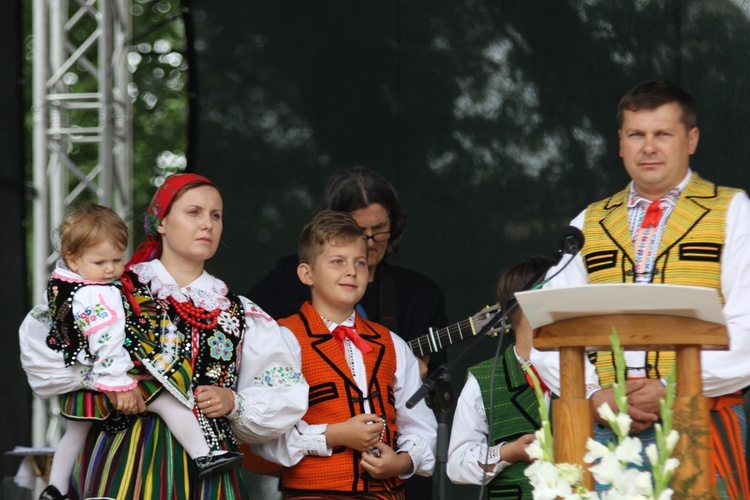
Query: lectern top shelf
(645, 316)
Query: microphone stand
(439, 391)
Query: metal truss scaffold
(82, 138)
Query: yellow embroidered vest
(335, 397)
(689, 252)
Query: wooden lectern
(662, 323)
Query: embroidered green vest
(515, 413)
(689, 252)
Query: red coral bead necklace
(196, 316)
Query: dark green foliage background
(496, 121)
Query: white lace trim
(63, 272)
(207, 292)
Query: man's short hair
(654, 93)
(327, 227)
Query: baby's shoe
(211, 463)
(52, 493)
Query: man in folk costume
(669, 226)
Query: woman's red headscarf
(160, 203)
(163, 198)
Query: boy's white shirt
(417, 433)
(468, 445)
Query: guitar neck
(442, 337)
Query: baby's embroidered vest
(66, 334)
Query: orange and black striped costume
(335, 397)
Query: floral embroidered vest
(66, 334)
(181, 357)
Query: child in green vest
(507, 399)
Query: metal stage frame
(82, 132)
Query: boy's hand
(129, 402)
(360, 433)
(389, 464)
(516, 451)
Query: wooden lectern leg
(572, 421)
(692, 479)
(573, 415)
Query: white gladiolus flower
(666, 494)
(570, 472)
(613, 466)
(606, 413)
(670, 465)
(623, 422)
(643, 483)
(652, 452)
(629, 450)
(532, 470)
(596, 451)
(547, 483)
(625, 483)
(672, 439)
(535, 450)
(607, 470)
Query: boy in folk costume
(357, 438)
(508, 399)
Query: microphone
(428, 386)
(570, 240)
